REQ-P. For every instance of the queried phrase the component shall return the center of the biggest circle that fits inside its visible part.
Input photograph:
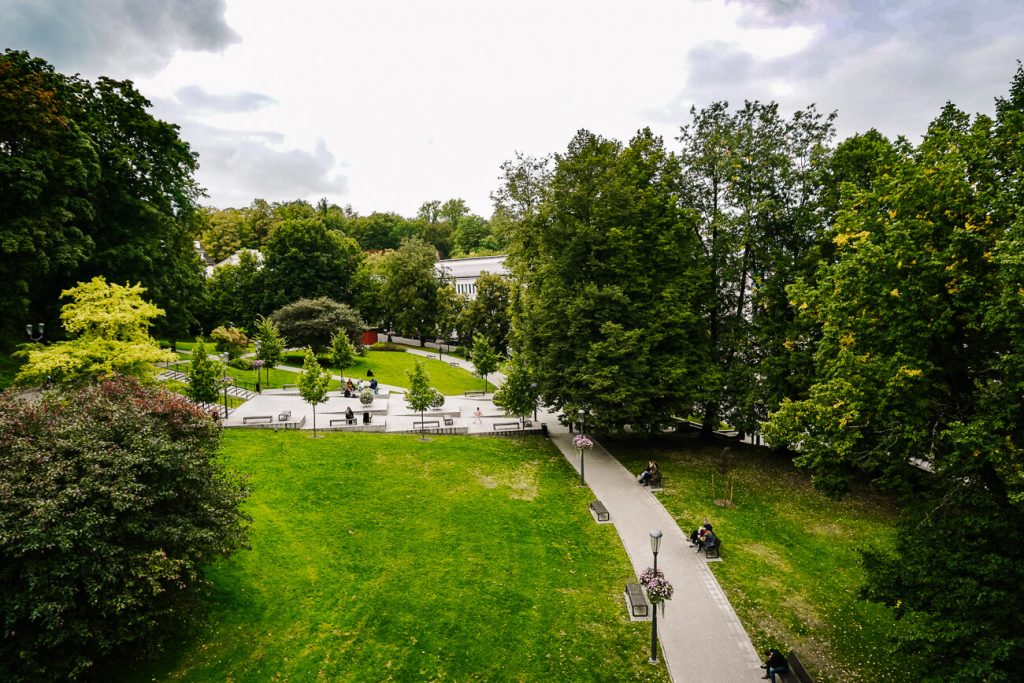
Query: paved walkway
(699, 625)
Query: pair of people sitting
(650, 473)
(703, 537)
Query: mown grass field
(390, 367)
(791, 567)
(381, 557)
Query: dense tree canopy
(314, 322)
(305, 259)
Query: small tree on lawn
(230, 340)
(313, 383)
(272, 343)
(203, 375)
(420, 395)
(517, 396)
(485, 358)
(343, 353)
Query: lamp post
(31, 335)
(257, 364)
(533, 386)
(583, 479)
(655, 545)
(225, 380)
(439, 342)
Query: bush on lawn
(387, 346)
(112, 499)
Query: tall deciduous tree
(609, 313)
(518, 394)
(343, 354)
(488, 313)
(920, 360)
(312, 383)
(409, 289)
(304, 259)
(754, 179)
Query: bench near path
(699, 626)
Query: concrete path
(699, 625)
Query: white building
(463, 272)
(233, 260)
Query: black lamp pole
(655, 545)
(583, 479)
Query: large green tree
(754, 179)
(115, 499)
(920, 361)
(305, 259)
(609, 311)
(488, 312)
(409, 288)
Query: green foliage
(485, 358)
(203, 374)
(235, 293)
(230, 340)
(610, 309)
(920, 358)
(110, 326)
(488, 314)
(343, 353)
(388, 346)
(313, 383)
(271, 348)
(409, 288)
(92, 184)
(114, 502)
(420, 395)
(306, 260)
(314, 322)
(518, 395)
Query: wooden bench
(600, 510)
(449, 421)
(426, 423)
(714, 550)
(284, 416)
(343, 420)
(453, 364)
(475, 393)
(254, 418)
(796, 672)
(498, 426)
(637, 602)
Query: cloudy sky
(384, 105)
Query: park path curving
(701, 637)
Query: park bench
(253, 418)
(637, 602)
(449, 421)
(654, 481)
(714, 550)
(426, 423)
(796, 672)
(600, 510)
(343, 420)
(454, 364)
(284, 416)
(499, 426)
(477, 392)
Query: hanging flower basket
(658, 588)
(582, 441)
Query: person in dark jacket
(774, 663)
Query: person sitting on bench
(707, 540)
(774, 663)
(695, 536)
(652, 467)
(366, 417)
(350, 388)
(350, 417)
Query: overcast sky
(384, 105)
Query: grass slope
(380, 557)
(390, 367)
(791, 567)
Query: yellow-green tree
(108, 326)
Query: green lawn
(389, 367)
(791, 567)
(380, 557)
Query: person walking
(477, 415)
